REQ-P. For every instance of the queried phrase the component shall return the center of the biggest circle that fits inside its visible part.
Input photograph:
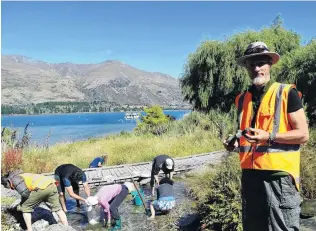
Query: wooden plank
(120, 173)
(133, 169)
(112, 173)
(140, 168)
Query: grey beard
(258, 81)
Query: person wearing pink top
(110, 198)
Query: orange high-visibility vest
(36, 181)
(271, 117)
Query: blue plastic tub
(137, 199)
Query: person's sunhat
(130, 186)
(257, 49)
(169, 163)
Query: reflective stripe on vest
(271, 117)
(36, 181)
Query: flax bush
(308, 166)
(219, 195)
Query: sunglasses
(257, 63)
(255, 50)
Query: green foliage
(12, 149)
(154, 116)
(299, 67)
(195, 133)
(308, 166)
(154, 121)
(219, 195)
(211, 76)
(5, 201)
(216, 122)
(66, 107)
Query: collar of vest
(252, 89)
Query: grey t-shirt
(165, 190)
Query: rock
(9, 193)
(40, 225)
(42, 217)
(308, 224)
(59, 227)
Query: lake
(56, 128)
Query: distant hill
(25, 80)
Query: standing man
(34, 189)
(164, 163)
(99, 161)
(270, 152)
(68, 177)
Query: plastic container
(137, 199)
(94, 216)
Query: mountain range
(25, 81)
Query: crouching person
(164, 163)
(34, 189)
(110, 198)
(68, 177)
(165, 198)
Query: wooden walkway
(122, 173)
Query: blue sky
(152, 36)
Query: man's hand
(260, 136)
(228, 147)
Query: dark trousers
(117, 201)
(269, 203)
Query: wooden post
(139, 195)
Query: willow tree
(299, 67)
(211, 76)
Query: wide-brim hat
(257, 49)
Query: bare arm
(156, 178)
(152, 210)
(62, 200)
(86, 189)
(171, 175)
(73, 195)
(106, 207)
(299, 134)
(153, 187)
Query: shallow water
(49, 129)
(133, 217)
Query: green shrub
(155, 121)
(219, 196)
(308, 166)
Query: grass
(217, 191)
(196, 133)
(6, 201)
(308, 166)
(120, 149)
